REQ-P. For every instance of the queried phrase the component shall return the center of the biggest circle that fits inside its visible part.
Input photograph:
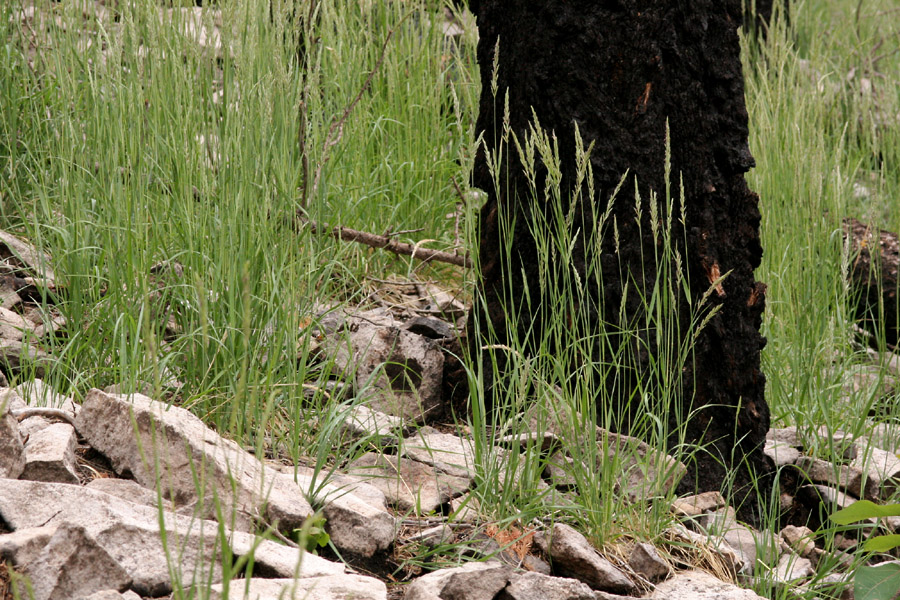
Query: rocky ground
(124, 496)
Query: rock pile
(187, 505)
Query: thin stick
(382, 241)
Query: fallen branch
(390, 244)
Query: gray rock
(847, 477)
(397, 371)
(800, 539)
(882, 468)
(27, 258)
(362, 421)
(559, 471)
(786, 435)
(12, 451)
(645, 471)
(328, 587)
(409, 485)
(166, 445)
(782, 454)
(36, 393)
(13, 326)
(74, 564)
(713, 544)
(699, 585)
(465, 509)
(16, 355)
(750, 545)
(832, 498)
(275, 560)
(126, 489)
(50, 455)
(356, 518)
(11, 401)
(792, 567)
(30, 425)
(698, 504)
(112, 595)
(646, 561)
(23, 545)
(432, 537)
(476, 585)
(448, 453)
(9, 298)
(129, 532)
(571, 555)
(535, 586)
(430, 586)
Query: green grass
(124, 144)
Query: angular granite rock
(50, 455)
(571, 555)
(165, 445)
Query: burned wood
(387, 242)
(874, 285)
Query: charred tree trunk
(621, 70)
(874, 268)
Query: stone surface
(25, 544)
(430, 585)
(26, 257)
(74, 564)
(535, 586)
(112, 595)
(749, 544)
(12, 451)
(329, 587)
(646, 561)
(126, 489)
(699, 585)
(14, 355)
(275, 560)
(832, 498)
(781, 453)
(50, 455)
(800, 539)
(882, 468)
(129, 532)
(397, 371)
(785, 435)
(38, 394)
(849, 478)
(30, 425)
(159, 444)
(696, 505)
(571, 555)
(644, 471)
(355, 514)
(476, 585)
(408, 485)
(362, 421)
(792, 567)
(13, 325)
(448, 453)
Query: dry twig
(388, 243)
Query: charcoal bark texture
(758, 15)
(622, 69)
(874, 285)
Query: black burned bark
(621, 70)
(874, 280)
